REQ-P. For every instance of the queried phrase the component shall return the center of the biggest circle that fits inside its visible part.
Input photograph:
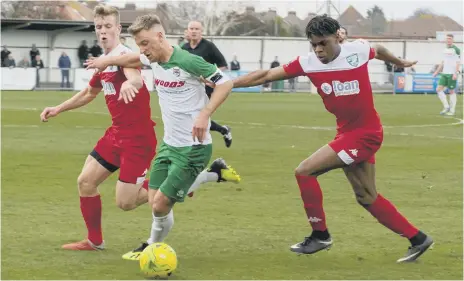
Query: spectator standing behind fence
(274, 64)
(34, 52)
(235, 64)
(199, 46)
(64, 63)
(83, 53)
(10, 61)
(38, 64)
(96, 50)
(24, 63)
(5, 53)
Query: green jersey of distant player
(451, 57)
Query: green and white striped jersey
(182, 94)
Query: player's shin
(386, 213)
(203, 177)
(311, 194)
(91, 208)
(453, 101)
(160, 227)
(442, 97)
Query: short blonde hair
(104, 11)
(145, 22)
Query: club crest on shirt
(176, 71)
(326, 88)
(353, 60)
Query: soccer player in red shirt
(129, 144)
(341, 76)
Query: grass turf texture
(232, 231)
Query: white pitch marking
(253, 124)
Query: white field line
(254, 124)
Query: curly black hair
(322, 26)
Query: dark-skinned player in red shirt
(340, 74)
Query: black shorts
(209, 91)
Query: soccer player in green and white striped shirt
(449, 69)
(186, 111)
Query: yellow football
(158, 260)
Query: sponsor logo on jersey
(353, 60)
(345, 88)
(169, 84)
(108, 88)
(341, 88)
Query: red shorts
(132, 155)
(357, 146)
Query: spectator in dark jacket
(10, 61)
(235, 64)
(83, 53)
(5, 53)
(96, 50)
(64, 63)
(38, 64)
(34, 52)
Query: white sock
(160, 227)
(442, 97)
(203, 177)
(453, 101)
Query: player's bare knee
(302, 171)
(86, 185)
(161, 205)
(126, 205)
(365, 198)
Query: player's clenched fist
(49, 112)
(200, 126)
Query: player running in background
(206, 49)
(449, 68)
(129, 144)
(341, 76)
(184, 107)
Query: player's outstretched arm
(80, 99)
(219, 95)
(130, 87)
(382, 53)
(260, 77)
(131, 60)
(439, 69)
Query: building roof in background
(81, 13)
(50, 25)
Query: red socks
(91, 208)
(311, 194)
(386, 213)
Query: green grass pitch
(229, 231)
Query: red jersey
(132, 119)
(343, 85)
